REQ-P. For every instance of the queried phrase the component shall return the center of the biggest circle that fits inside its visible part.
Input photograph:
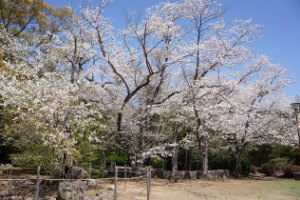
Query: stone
(91, 183)
(4, 193)
(296, 175)
(4, 183)
(77, 173)
(104, 196)
(5, 168)
(71, 190)
(23, 183)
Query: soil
(162, 189)
(230, 189)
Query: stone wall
(164, 174)
(214, 174)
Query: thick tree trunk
(174, 175)
(237, 166)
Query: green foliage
(97, 173)
(290, 169)
(120, 160)
(253, 169)
(157, 163)
(246, 167)
(270, 169)
(222, 162)
(281, 162)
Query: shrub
(290, 169)
(245, 167)
(97, 173)
(120, 160)
(281, 162)
(270, 169)
(157, 163)
(222, 162)
(253, 169)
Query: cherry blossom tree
(46, 106)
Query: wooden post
(148, 192)
(90, 170)
(10, 172)
(37, 194)
(125, 177)
(116, 183)
(150, 179)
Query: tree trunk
(174, 174)
(204, 158)
(237, 166)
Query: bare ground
(162, 189)
(280, 189)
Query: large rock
(71, 190)
(91, 183)
(297, 176)
(104, 195)
(5, 168)
(77, 173)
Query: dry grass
(280, 189)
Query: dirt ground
(280, 189)
(162, 189)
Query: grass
(287, 188)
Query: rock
(111, 187)
(77, 173)
(4, 183)
(5, 168)
(5, 193)
(99, 193)
(23, 183)
(104, 196)
(71, 190)
(296, 175)
(91, 183)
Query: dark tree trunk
(237, 167)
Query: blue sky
(281, 20)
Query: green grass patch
(285, 187)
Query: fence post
(148, 193)
(150, 178)
(116, 183)
(37, 194)
(10, 172)
(125, 177)
(90, 170)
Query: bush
(97, 173)
(281, 162)
(253, 169)
(157, 163)
(245, 167)
(120, 160)
(290, 169)
(270, 169)
(222, 162)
